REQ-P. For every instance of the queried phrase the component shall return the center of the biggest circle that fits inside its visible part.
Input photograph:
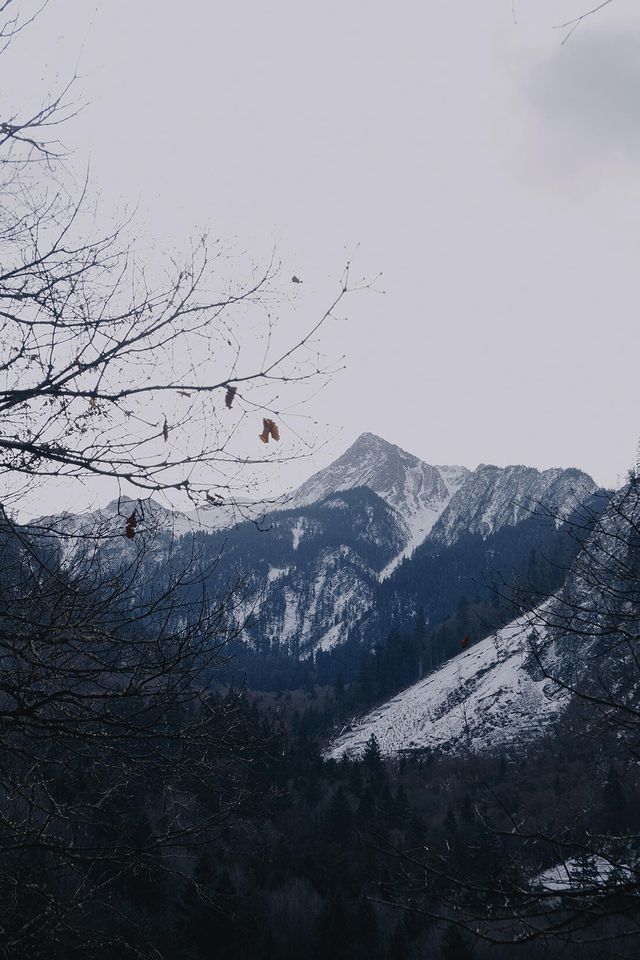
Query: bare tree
(118, 369)
(570, 26)
(120, 749)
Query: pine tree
(340, 818)
(455, 946)
(613, 797)
(372, 756)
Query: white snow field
(489, 695)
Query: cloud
(585, 97)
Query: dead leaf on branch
(229, 395)
(165, 430)
(270, 429)
(132, 523)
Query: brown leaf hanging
(229, 395)
(270, 429)
(165, 430)
(184, 393)
(132, 523)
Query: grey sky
(490, 173)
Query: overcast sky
(490, 172)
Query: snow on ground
(453, 476)
(483, 697)
(297, 531)
(348, 601)
(291, 617)
(418, 525)
(275, 573)
(333, 600)
(576, 875)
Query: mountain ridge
(357, 547)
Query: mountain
(418, 491)
(574, 651)
(152, 515)
(310, 573)
(439, 529)
(494, 497)
(362, 546)
(501, 524)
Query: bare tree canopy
(113, 367)
(120, 748)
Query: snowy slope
(495, 692)
(312, 574)
(488, 695)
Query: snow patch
(585, 874)
(297, 531)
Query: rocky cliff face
(494, 497)
(312, 575)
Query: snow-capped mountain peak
(418, 491)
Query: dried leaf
(270, 429)
(132, 523)
(229, 395)
(295, 279)
(184, 393)
(165, 430)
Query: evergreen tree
(340, 818)
(613, 798)
(455, 946)
(372, 757)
